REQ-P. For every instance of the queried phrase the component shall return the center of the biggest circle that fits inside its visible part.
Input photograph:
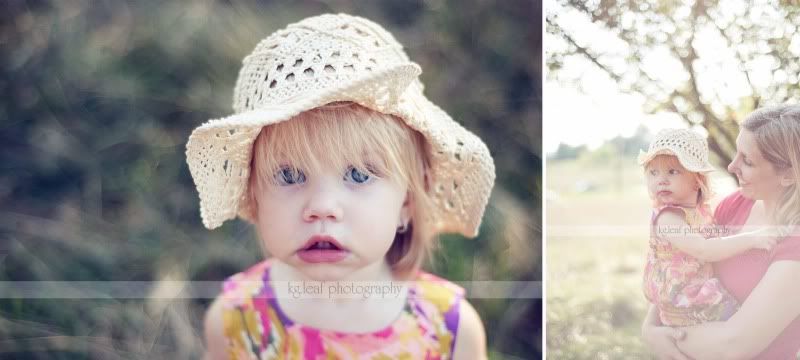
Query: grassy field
(596, 219)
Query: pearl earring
(402, 228)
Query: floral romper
(681, 286)
(256, 328)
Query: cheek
(377, 216)
(690, 183)
(753, 176)
(275, 225)
(267, 214)
(373, 212)
(743, 172)
(650, 183)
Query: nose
(662, 180)
(323, 203)
(733, 167)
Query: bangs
(667, 161)
(705, 192)
(337, 136)
(341, 135)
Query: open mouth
(323, 245)
(322, 249)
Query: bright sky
(582, 105)
(574, 117)
(588, 108)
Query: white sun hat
(317, 61)
(689, 147)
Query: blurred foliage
(597, 244)
(710, 62)
(566, 152)
(618, 148)
(100, 97)
(595, 304)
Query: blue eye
(356, 176)
(287, 175)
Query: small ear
(407, 210)
(787, 180)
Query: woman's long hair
(777, 133)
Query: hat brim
(462, 170)
(458, 157)
(221, 180)
(645, 157)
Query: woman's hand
(765, 240)
(767, 237)
(661, 341)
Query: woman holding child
(765, 283)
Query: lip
(664, 193)
(322, 255)
(739, 180)
(321, 238)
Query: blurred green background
(99, 97)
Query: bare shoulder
(671, 217)
(214, 333)
(471, 337)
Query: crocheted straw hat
(689, 147)
(325, 59)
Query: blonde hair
(704, 191)
(777, 133)
(346, 134)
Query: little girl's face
(330, 224)
(670, 183)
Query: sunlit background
(99, 97)
(617, 72)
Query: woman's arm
(773, 304)
(671, 226)
(470, 337)
(660, 339)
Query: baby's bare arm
(213, 329)
(671, 226)
(471, 337)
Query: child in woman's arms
(678, 278)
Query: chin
(326, 271)
(747, 192)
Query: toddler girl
(678, 278)
(347, 172)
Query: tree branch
(583, 50)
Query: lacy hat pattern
(689, 147)
(317, 61)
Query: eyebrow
(744, 156)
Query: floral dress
(681, 286)
(256, 328)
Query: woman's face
(758, 178)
